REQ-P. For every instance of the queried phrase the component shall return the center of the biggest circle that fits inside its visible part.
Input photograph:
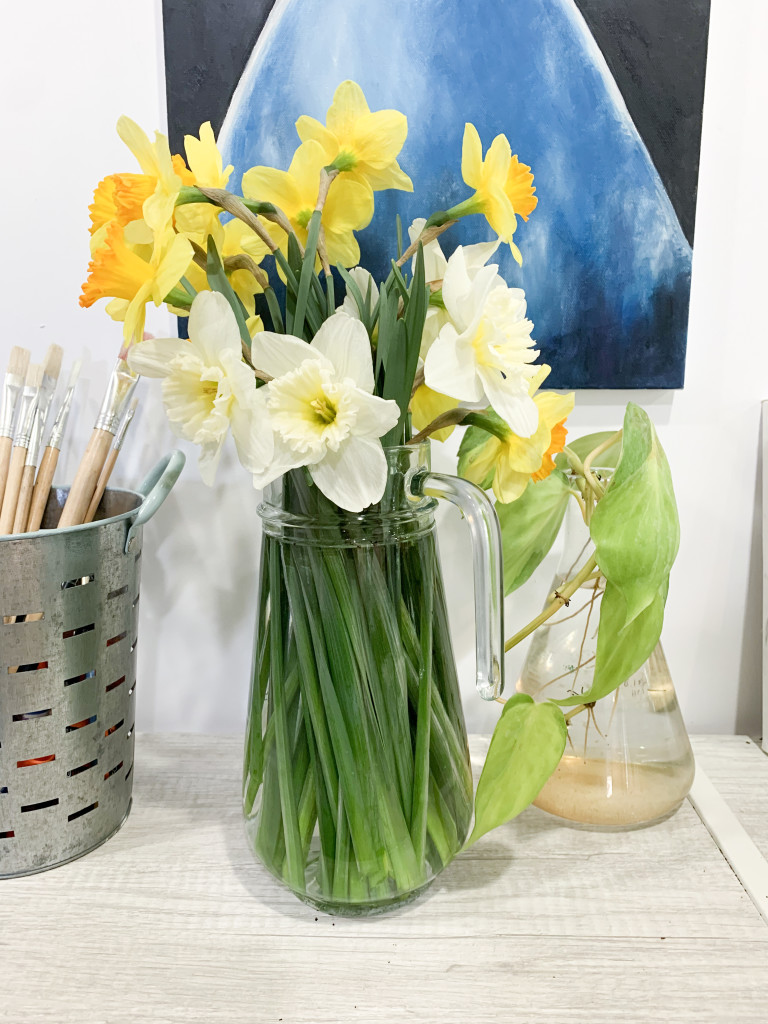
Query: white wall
(69, 70)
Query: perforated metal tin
(69, 603)
(68, 633)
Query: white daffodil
(435, 264)
(484, 353)
(207, 388)
(323, 411)
(364, 281)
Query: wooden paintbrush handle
(42, 488)
(86, 478)
(25, 500)
(12, 488)
(101, 486)
(6, 444)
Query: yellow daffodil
(348, 208)
(503, 186)
(206, 167)
(512, 461)
(363, 144)
(118, 272)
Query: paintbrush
(27, 407)
(109, 465)
(14, 382)
(119, 391)
(51, 371)
(51, 455)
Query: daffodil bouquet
(357, 788)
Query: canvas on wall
(603, 98)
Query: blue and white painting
(607, 264)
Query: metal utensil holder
(69, 603)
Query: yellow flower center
(324, 409)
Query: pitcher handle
(487, 559)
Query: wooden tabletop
(173, 922)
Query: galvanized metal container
(69, 609)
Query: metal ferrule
(44, 400)
(60, 423)
(27, 410)
(35, 437)
(117, 444)
(12, 386)
(119, 390)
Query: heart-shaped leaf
(526, 747)
(621, 648)
(530, 525)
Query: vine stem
(562, 596)
(576, 711)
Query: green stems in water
(356, 744)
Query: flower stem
(427, 235)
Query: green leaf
(635, 525)
(526, 747)
(530, 525)
(357, 296)
(621, 649)
(582, 446)
(307, 273)
(219, 282)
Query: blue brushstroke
(607, 267)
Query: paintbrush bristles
(52, 361)
(18, 361)
(74, 373)
(34, 376)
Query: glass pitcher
(357, 788)
(628, 760)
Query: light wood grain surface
(172, 921)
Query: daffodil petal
(254, 439)
(345, 343)
(390, 177)
(349, 103)
(310, 128)
(554, 408)
(450, 367)
(379, 137)
(349, 206)
(508, 484)
(471, 157)
(283, 459)
(374, 416)
(277, 354)
(138, 142)
(269, 185)
(153, 357)
(353, 477)
(514, 405)
(497, 159)
(172, 267)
